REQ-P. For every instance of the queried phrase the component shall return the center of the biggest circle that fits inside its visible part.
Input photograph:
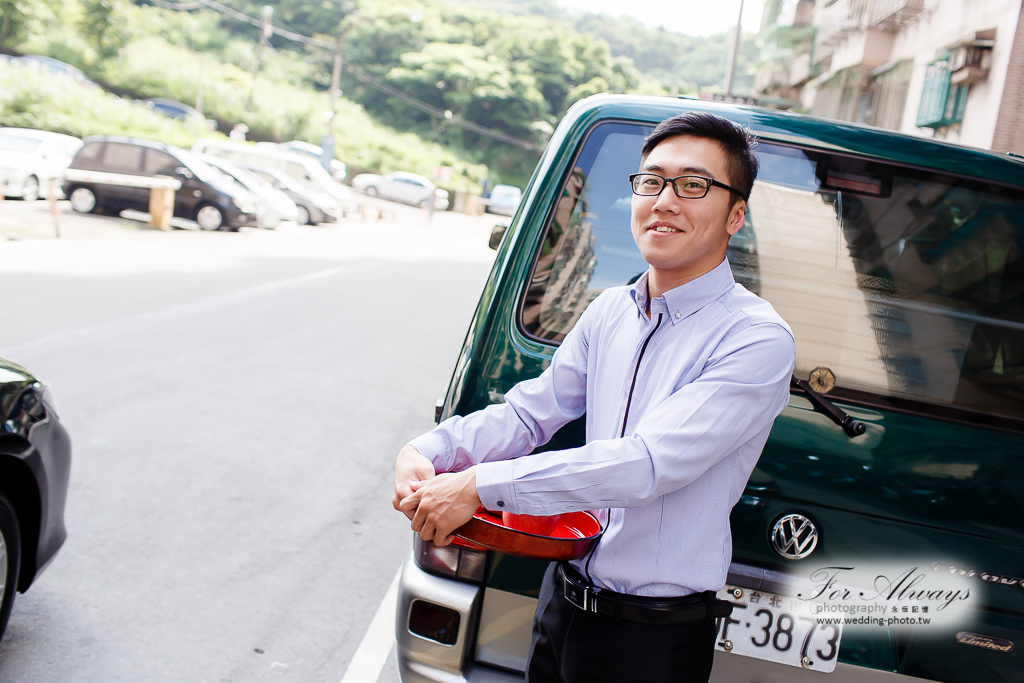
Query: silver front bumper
(426, 661)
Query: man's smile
(663, 228)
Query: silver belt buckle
(578, 596)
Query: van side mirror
(497, 233)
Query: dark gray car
(205, 196)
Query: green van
(899, 264)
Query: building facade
(951, 69)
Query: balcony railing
(836, 20)
(891, 14)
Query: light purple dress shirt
(712, 367)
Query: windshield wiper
(851, 427)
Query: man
(681, 376)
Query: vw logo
(794, 537)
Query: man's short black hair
(737, 142)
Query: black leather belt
(689, 608)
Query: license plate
(778, 629)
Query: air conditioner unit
(966, 62)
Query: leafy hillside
(476, 86)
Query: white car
(29, 159)
(504, 200)
(306, 170)
(277, 206)
(399, 186)
(338, 169)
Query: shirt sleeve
(741, 391)
(532, 412)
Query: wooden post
(51, 197)
(161, 207)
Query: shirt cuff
(433, 448)
(494, 486)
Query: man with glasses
(681, 376)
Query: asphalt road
(235, 401)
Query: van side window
(904, 283)
(121, 158)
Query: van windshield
(903, 283)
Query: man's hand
(442, 504)
(410, 467)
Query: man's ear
(737, 216)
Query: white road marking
(372, 653)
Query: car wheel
(209, 217)
(30, 191)
(83, 200)
(303, 217)
(371, 191)
(10, 560)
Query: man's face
(682, 239)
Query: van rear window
(902, 282)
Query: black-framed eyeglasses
(685, 186)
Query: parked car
(504, 200)
(313, 207)
(29, 159)
(35, 463)
(277, 206)
(54, 67)
(301, 167)
(400, 186)
(180, 111)
(899, 264)
(206, 196)
(338, 170)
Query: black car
(205, 195)
(35, 461)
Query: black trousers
(573, 646)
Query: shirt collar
(684, 300)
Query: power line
(355, 72)
(241, 16)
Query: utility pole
(327, 141)
(266, 31)
(730, 68)
(336, 72)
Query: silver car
(400, 186)
(29, 159)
